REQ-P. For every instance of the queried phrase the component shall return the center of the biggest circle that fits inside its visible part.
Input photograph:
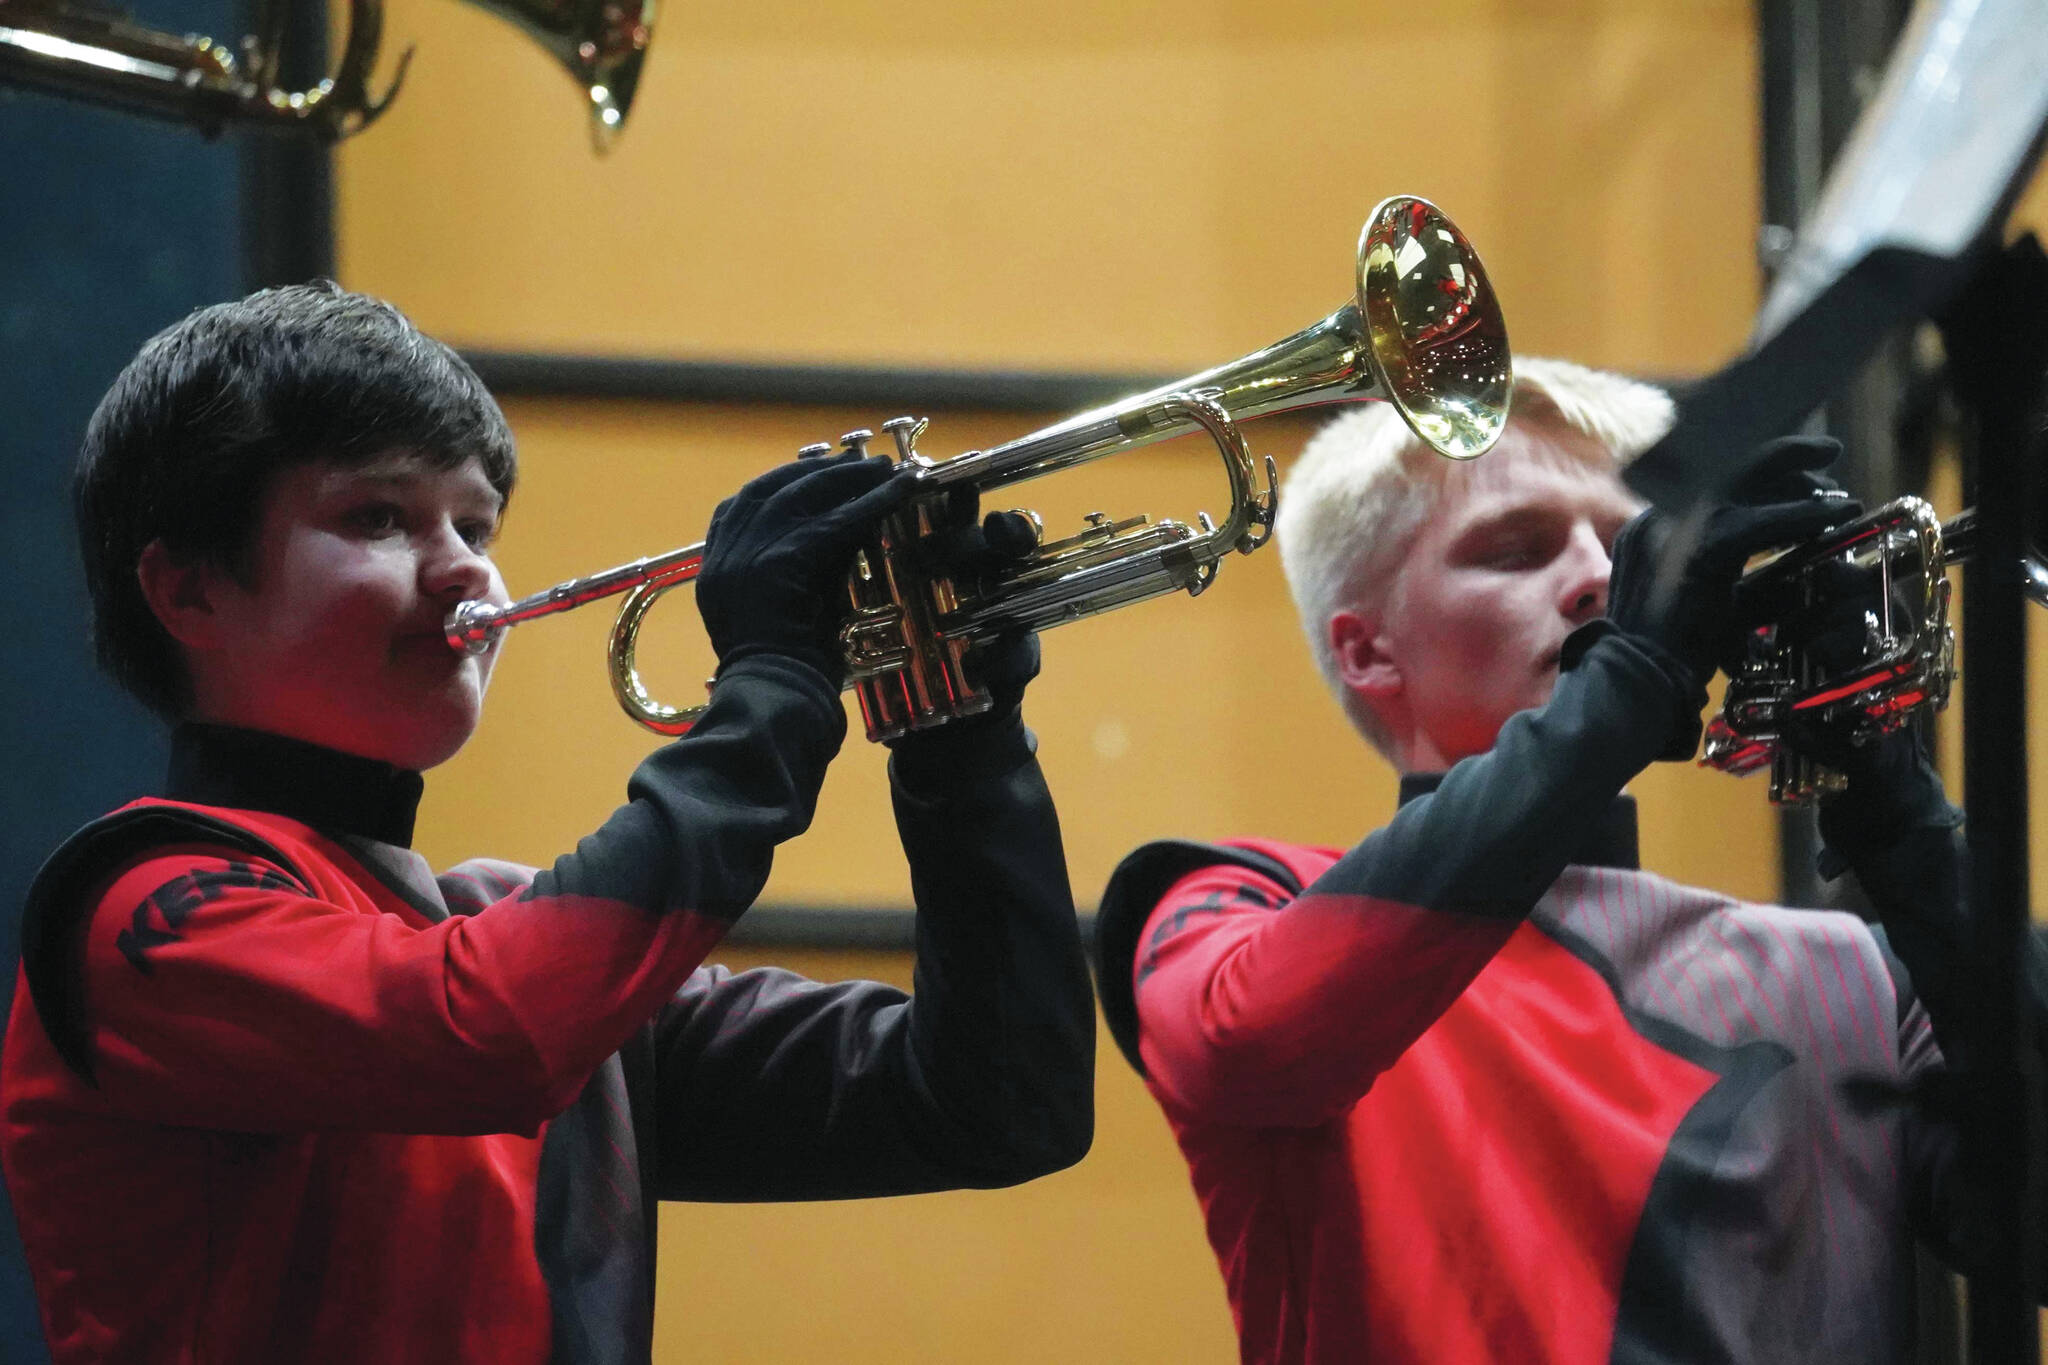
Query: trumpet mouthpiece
(472, 627)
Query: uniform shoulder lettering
(55, 912)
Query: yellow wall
(1103, 1262)
(1066, 186)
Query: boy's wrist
(1684, 697)
(827, 663)
(785, 672)
(1892, 794)
(962, 751)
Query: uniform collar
(219, 765)
(1609, 842)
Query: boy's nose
(453, 568)
(1583, 594)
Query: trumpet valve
(814, 450)
(1099, 528)
(905, 431)
(857, 441)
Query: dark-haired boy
(275, 1091)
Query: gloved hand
(966, 549)
(1832, 624)
(1672, 588)
(778, 552)
(1892, 785)
(1892, 789)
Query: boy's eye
(376, 518)
(1518, 553)
(478, 535)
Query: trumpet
(1902, 662)
(1423, 332)
(79, 49)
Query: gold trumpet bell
(1438, 347)
(601, 43)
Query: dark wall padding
(111, 227)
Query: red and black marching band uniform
(274, 1091)
(1480, 1090)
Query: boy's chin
(407, 730)
(434, 744)
(419, 758)
(414, 748)
(435, 731)
(420, 740)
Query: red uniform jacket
(274, 1092)
(1477, 1090)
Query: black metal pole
(1998, 343)
(2001, 1318)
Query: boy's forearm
(1003, 1016)
(1896, 830)
(773, 1087)
(705, 813)
(696, 839)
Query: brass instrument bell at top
(78, 49)
(600, 43)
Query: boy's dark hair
(192, 433)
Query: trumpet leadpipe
(474, 627)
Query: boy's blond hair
(1364, 485)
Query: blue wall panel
(111, 228)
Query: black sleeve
(703, 815)
(1896, 830)
(773, 1087)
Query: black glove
(1831, 626)
(1892, 790)
(1672, 589)
(778, 553)
(965, 549)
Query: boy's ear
(1362, 658)
(181, 593)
